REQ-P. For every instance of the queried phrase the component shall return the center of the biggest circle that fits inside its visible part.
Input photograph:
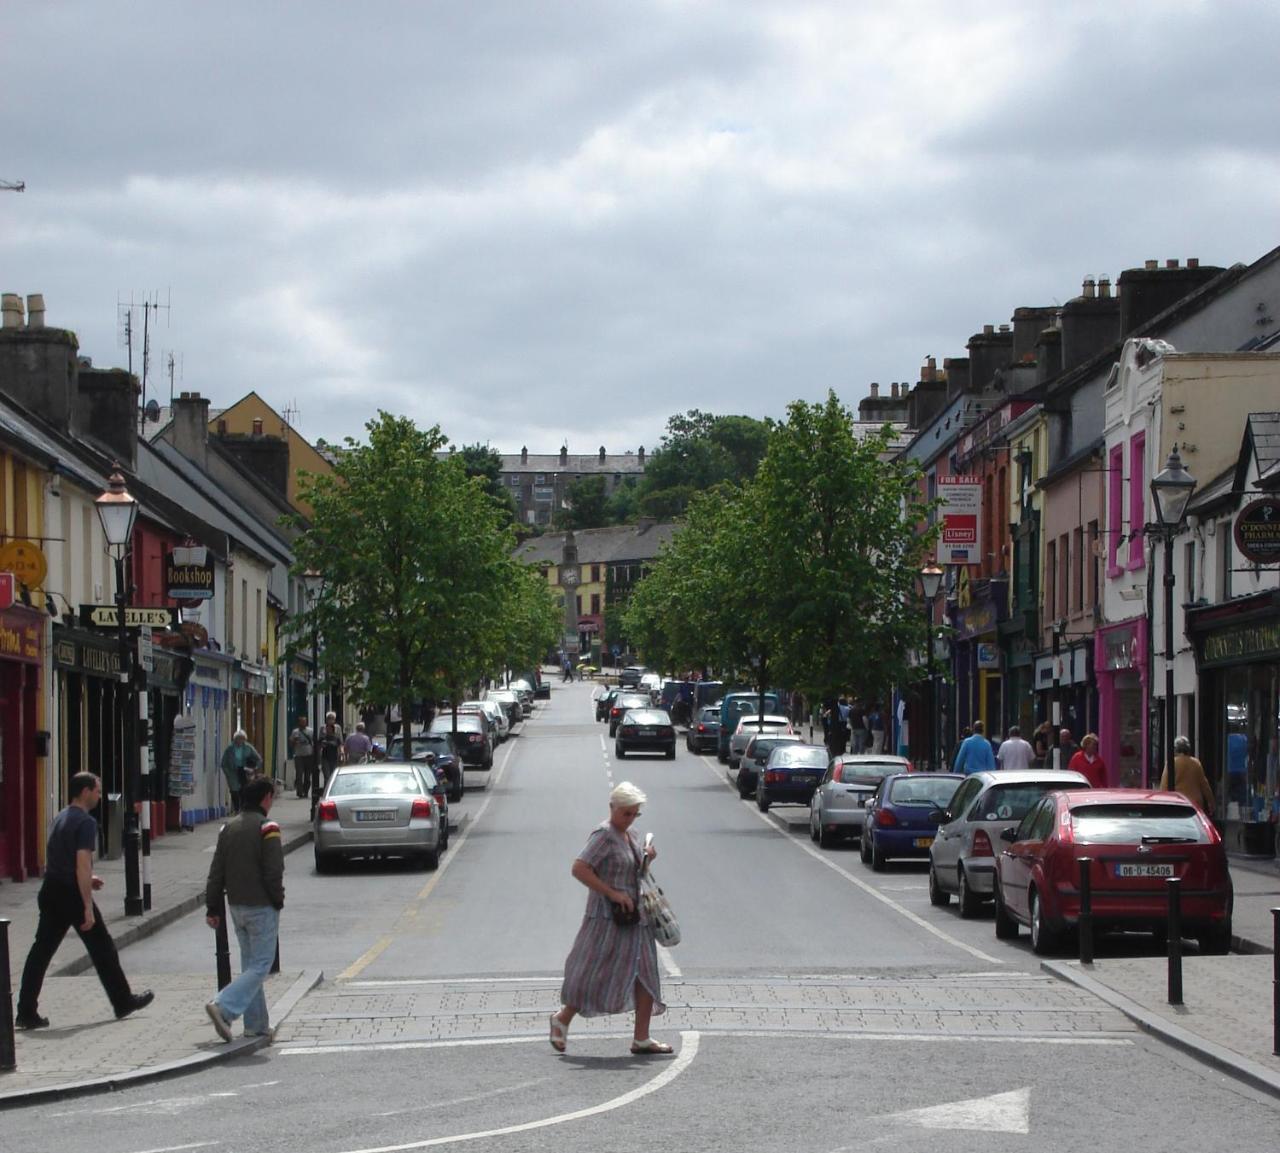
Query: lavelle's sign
(1257, 531)
(135, 616)
(188, 574)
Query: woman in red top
(1087, 761)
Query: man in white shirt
(1015, 753)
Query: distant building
(538, 482)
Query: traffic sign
(135, 616)
(146, 649)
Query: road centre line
(688, 1051)
(410, 911)
(870, 890)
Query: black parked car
(473, 736)
(704, 732)
(447, 763)
(645, 730)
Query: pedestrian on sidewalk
(975, 752)
(357, 746)
(1188, 776)
(302, 744)
(66, 901)
(330, 746)
(875, 725)
(248, 871)
(1087, 761)
(858, 734)
(240, 760)
(1015, 752)
(613, 965)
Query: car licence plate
(1144, 870)
(804, 778)
(375, 815)
(647, 733)
(923, 842)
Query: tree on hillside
(585, 505)
(416, 565)
(479, 460)
(697, 452)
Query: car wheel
(864, 847)
(619, 751)
(671, 753)
(1216, 942)
(878, 858)
(1006, 926)
(814, 831)
(937, 894)
(970, 902)
(1043, 939)
(455, 794)
(325, 862)
(431, 858)
(826, 838)
(743, 791)
(762, 799)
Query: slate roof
(585, 462)
(616, 544)
(1264, 430)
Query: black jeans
(61, 909)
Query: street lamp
(930, 585)
(1170, 492)
(117, 511)
(313, 581)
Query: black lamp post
(1170, 492)
(117, 511)
(930, 585)
(313, 581)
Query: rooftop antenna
(13, 186)
(124, 317)
(148, 307)
(290, 413)
(172, 364)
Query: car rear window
(869, 770)
(389, 784)
(646, 717)
(710, 715)
(1128, 824)
(467, 723)
(936, 791)
(1013, 802)
(807, 758)
(758, 745)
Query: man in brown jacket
(248, 867)
(1188, 776)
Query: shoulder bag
(658, 913)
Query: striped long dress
(607, 960)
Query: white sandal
(649, 1045)
(559, 1034)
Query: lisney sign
(960, 515)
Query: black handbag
(623, 916)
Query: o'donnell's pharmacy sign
(1257, 531)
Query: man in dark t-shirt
(66, 901)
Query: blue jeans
(257, 928)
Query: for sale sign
(961, 517)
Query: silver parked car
(752, 725)
(382, 809)
(962, 859)
(838, 807)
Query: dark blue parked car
(790, 775)
(903, 816)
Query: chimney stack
(35, 310)
(893, 391)
(1193, 262)
(1087, 289)
(875, 390)
(12, 306)
(257, 426)
(1171, 264)
(564, 455)
(190, 428)
(988, 330)
(524, 455)
(1104, 288)
(602, 454)
(640, 456)
(1151, 265)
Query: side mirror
(936, 816)
(1009, 835)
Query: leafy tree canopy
(697, 452)
(586, 505)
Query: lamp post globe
(1171, 491)
(117, 510)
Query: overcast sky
(543, 223)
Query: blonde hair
(625, 795)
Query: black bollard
(1085, 929)
(1275, 981)
(1175, 941)
(222, 946)
(8, 1051)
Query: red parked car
(1135, 840)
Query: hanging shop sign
(24, 559)
(135, 616)
(960, 515)
(20, 631)
(1257, 531)
(1120, 649)
(188, 574)
(988, 656)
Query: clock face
(569, 577)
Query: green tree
(485, 463)
(585, 505)
(697, 452)
(418, 578)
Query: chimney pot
(524, 454)
(35, 310)
(1087, 288)
(1171, 264)
(893, 390)
(640, 454)
(564, 455)
(12, 307)
(1151, 265)
(988, 330)
(875, 389)
(1004, 328)
(602, 454)
(1104, 288)
(1193, 262)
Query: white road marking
(668, 963)
(464, 1100)
(771, 1034)
(999, 1113)
(392, 982)
(176, 1148)
(670, 1071)
(603, 747)
(380, 946)
(870, 890)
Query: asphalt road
(814, 1005)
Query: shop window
(595, 602)
(1077, 569)
(1050, 579)
(1225, 558)
(1137, 497)
(1095, 565)
(1064, 575)
(1115, 510)
(1188, 573)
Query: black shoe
(136, 1002)
(31, 1021)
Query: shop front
(976, 670)
(1238, 663)
(165, 685)
(21, 743)
(200, 735)
(1120, 665)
